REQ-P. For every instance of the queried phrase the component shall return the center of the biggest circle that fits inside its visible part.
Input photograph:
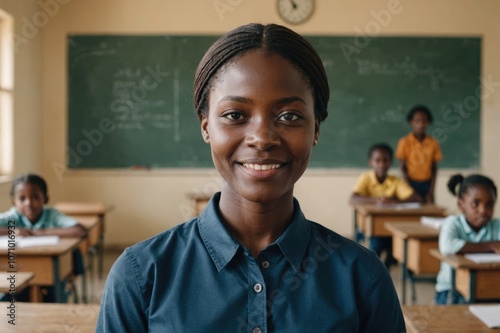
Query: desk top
(64, 245)
(87, 221)
(412, 230)
(22, 280)
(50, 318)
(82, 208)
(427, 209)
(442, 318)
(459, 261)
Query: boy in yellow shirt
(378, 187)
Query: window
(6, 92)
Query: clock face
(295, 11)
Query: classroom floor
(424, 290)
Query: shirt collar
(222, 247)
(414, 138)
(467, 228)
(374, 180)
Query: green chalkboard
(130, 98)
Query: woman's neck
(255, 225)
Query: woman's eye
(233, 116)
(289, 117)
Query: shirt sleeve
(450, 240)
(403, 190)
(121, 303)
(438, 155)
(6, 217)
(401, 151)
(60, 220)
(361, 187)
(381, 310)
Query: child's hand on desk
(23, 232)
(385, 201)
(39, 232)
(495, 246)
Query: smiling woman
(251, 262)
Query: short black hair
(273, 38)
(32, 179)
(419, 108)
(380, 146)
(467, 182)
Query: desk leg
(100, 256)
(404, 269)
(472, 285)
(58, 288)
(453, 283)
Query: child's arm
(74, 231)
(404, 170)
(430, 195)
(483, 247)
(18, 231)
(415, 197)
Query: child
(419, 153)
(31, 217)
(378, 187)
(475, 230)
(251, 262)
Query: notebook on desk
(30, 241)
(479, 258)
(488, 314)
(403, 205)
(433, 222)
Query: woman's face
(261, 126)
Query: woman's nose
(262, 135)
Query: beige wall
(27, 93)
(146, 203)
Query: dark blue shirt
(196, 278)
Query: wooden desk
(442, 318)
(411, 242)
(371, 218)
(88, 246)
(50, 318)
(51, 264)
(78, 209)
(473, 281)
(21, 282)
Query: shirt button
(257, 288)
(257, 330)
(265, 264)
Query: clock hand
(294, 5)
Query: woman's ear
(460, 204)
(46, 200)
(316, 132)
(204, 128)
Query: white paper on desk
(479, 258)
(488, 314)
(403, 205)
(433, 222)
(30, 241)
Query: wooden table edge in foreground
(17, 282)
(49, 318)
(442, 318)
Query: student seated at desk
(30, 216)
(475, 230)
(378, 187)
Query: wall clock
(295, 11)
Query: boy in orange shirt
(419, 153)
